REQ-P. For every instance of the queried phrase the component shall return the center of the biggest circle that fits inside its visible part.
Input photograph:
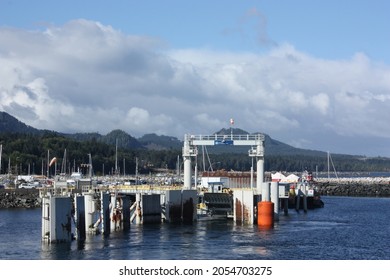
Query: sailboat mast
(203, 159)
(63, 165)
(178, 166)
(330, 161)
(116, 156)
(1, 152)
(328, 164)
(48, 165)
(136, 170)
(90, 165)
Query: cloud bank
(88, 77)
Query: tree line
(31, 153)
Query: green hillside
(25, 148)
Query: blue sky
(329, 29)
(313, 74)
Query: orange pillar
(265, 214)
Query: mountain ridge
(152, 141)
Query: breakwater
(19, 198)
(360, 187)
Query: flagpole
(231, 128)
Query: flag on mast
(231, 128)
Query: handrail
(225, 137)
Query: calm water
(346, 228)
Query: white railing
(225, 137)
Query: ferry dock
(73, 212)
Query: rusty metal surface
(188, 210)
(174, 213)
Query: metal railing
(225, 137)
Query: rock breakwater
(19, 198)
(354, 188)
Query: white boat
(27, 186)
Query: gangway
(256, 141)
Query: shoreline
(358, 187)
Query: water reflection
(56, 251)
(347, 228)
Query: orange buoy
(265, 214)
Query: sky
(311, 74)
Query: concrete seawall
(19, 198)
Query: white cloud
(85, 76)
(140, 121)
(138, 116)
(321, 102)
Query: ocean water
(347, 228)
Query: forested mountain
(155, 142)
(25, 148)
(10, 124)
(272, 146)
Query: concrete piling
(243, 206)
(126, 212)
(105, 212)
(275, 199)
(189, 206)
(57, 219)
(92, 215)
(151, 208)
(173, 206)
(80, 231)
